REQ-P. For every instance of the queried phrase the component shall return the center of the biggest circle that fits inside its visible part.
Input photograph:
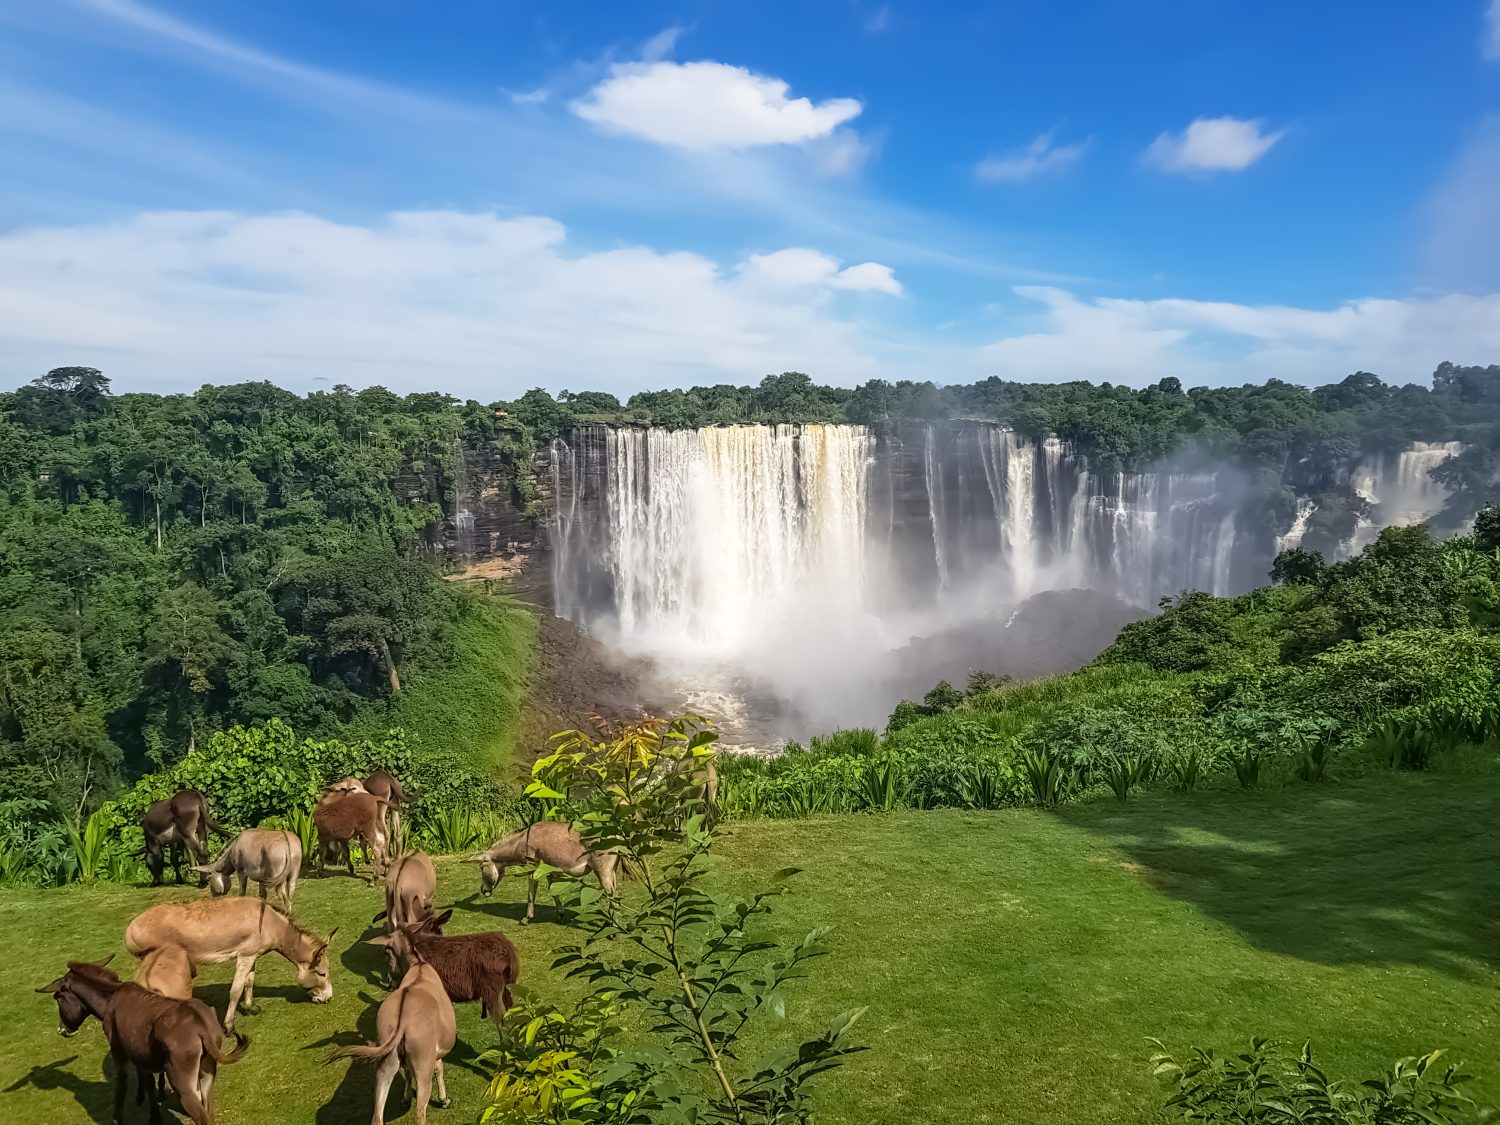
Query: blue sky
(486, 196)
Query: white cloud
(799, 266)
(1033, 159)
(471, 303)
(1211, 342)
(1491, 46)
(1213, 144)
(708, 105)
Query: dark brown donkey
(152, 1033)
(471, 966)
(179, 824)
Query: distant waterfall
(704, 538)
(1401, 488)
(697, 535)
(1298, 531)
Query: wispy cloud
(708, 105)
(1491, 43)
(1037, 158)
(662, 44)
(1213, 144)
(879, 20)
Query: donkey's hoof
(441, 1103)
(250, 1009)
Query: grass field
(1014, 962)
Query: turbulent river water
(787, 569)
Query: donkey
(547, 841)
(346, 818)
(167, 969)
(268, 856)
(410, 884)
(179, 823)
(417, 1028)
(233, 929)
(386, 786)
(151, 1033)
(471, 966)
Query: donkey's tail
(369, 1050)
(213, 1050)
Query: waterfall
(1018, 512)
(1401, 488)
(1298, 531)
(708, 533)
(463, 518)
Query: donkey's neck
(95, 994)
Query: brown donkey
(416, 1028)
(211, 930)
(471, 966)
(151, 1033)
(177, 824)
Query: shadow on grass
(366, 961)
(351, 1102)
(96, 1099)
(1385, 871)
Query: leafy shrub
(1263, 1086)
(1188, 767)
(1049, 777)
(688, 966)
(884, 784)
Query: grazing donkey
(151, 1033)
(417, 1028)
(268, 856)
(179, 824)
(547, 841)
(345, 818)
(211, 930)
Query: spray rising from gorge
(801, 561)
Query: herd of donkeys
(156, 1028)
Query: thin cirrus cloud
(709, 105)
(1037, 158)
(1491, 44)
(1212, 144)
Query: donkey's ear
(442, 919)
(381, 939)
(206, 868)
(332, 934)
(53, 987)
(377, 917)
(103, 962)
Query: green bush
(1265, 1086)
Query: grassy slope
(473, 702)
(1014, 962)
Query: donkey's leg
(183, 1073)
(207, 1072)
(442, 1098)
(530, 895)
(243, 968)
(250, 1006)
(385, 1075)
(424, 1088)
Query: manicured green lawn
(1014, 962)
